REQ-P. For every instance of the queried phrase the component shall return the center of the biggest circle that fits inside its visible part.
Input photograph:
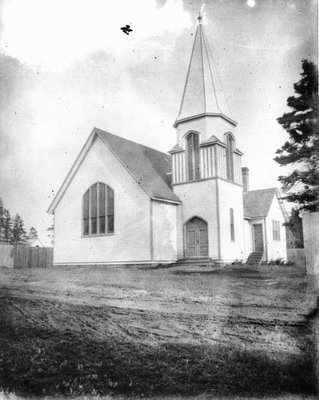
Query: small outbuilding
(264, 224)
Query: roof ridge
(257, 203)
(148, 166)
(132, 141)
(150, 172)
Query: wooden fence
(22, 256)
(298, 257)
(310, 225)
(6, 255)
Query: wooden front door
(258, 237)
(196, 238)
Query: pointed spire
(202, 95)
(199, 18)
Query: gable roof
(213, 139)
(149, 167)
(176, 149)
(257, 202)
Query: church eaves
(202, 94)
(149, 167)
(257, 203)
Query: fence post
(310, 223)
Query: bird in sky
(127, 29)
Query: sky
(66, 67)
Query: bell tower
(206, 163)
(203, 106)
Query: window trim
(82, 215)
(195, 161)
(232, 225)
(98, 234)
(230, 147)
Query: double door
(196, 238)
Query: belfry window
(230, 157)
(98, 210)
(193, 166)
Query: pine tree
(32, 234)
(50, 231)
(294, 230)
(301, 152)
(7, 226)
(18, 231)
(1, 220)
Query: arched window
(230, 157)
(193, 167)
(98, 210)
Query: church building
(125, 203)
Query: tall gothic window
(193, 156)
(230, 157)
(98, 210)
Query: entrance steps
(255, 258)
(200, 262)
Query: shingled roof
(150, 167)
(257, 202)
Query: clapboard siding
(179, 167)
(174, 177)
(131, 240)
(212, 164)
(182, 167)
(207, 162)
(275, 248)
(221, 162)
(199, 200)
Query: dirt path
(164, 330)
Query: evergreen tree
(50, 231)
(1, 220)
(7, 226)
(18, 232)
(294, 230)
(32, 234)
(301, 152)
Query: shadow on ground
(38, 361)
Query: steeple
(202, 95)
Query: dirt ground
(141, 331)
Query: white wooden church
(124, 203)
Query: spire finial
(199, 18)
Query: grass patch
(43, 362)
(134, 332)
